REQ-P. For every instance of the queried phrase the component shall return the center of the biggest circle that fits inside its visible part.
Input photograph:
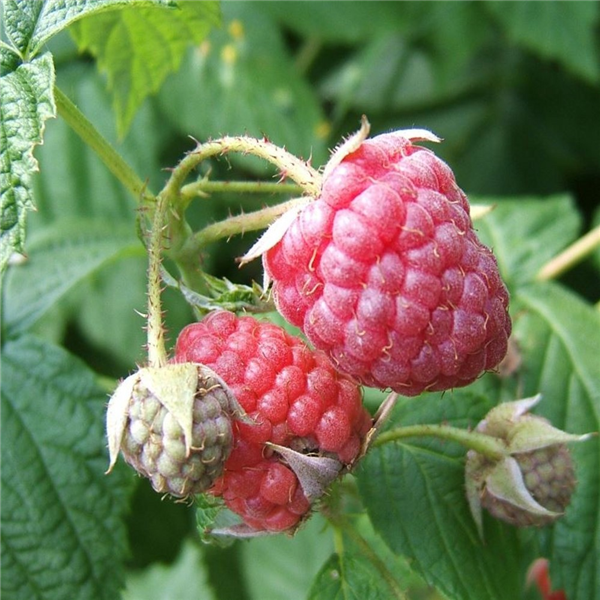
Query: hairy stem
(185, 248)
(570, 256)
(115, 163)
(157, 355)
(289, 165)
(204, 187)
(243, 223)
(481, 443)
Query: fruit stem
(157, 355)
(99, 144)
(242, 223)
(480, 442)
(185, 248)
(570, 256)
(290, 166)
(205, 187)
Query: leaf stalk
(115, 163)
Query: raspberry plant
(345, 489)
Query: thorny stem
(94, 139)
(243, 223)
(205, 187)
(157, 355)
(290, 166)
(480, 442)
(185, 247)
(128, 177)
(570, 256)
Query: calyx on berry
(173, 425)
(532, 483)
(276, 230)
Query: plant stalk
(239, 224)
(205, 187)
(290, 166)
(570, 256)
(480, 442)
(115, 163)
(157, 354)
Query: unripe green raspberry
(532, 483)
(549, 476)
(530, 489)
(173, 426)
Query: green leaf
(346, 22)
(397, 565)
(410, 66)
(62, 531)
(243, 81)
(29, 24)
(26, 101)
(549, 28)
(349, 577)
(525, 233)
(66, 253)
(386, 74)
(138, 48)
(414, 494)
(560, 115)
(559, 339)
(9, 60)
(185, 579)
(270, 564)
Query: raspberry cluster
(295, 399)
(385, 273)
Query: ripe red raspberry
(384, 272)
(295, 398)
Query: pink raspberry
(385, 273)
(295, 398)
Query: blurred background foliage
(513, 88)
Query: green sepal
(505, 483)
(533, 433)
(116, 416)
(175, 386)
